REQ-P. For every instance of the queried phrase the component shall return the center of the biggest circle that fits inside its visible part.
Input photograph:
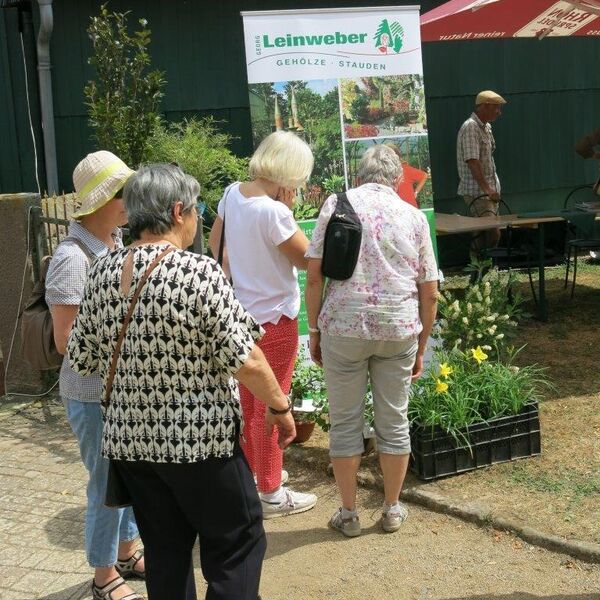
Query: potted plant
(308, 397)
(467, 412)
(474, 406)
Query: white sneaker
(292, 503)
(392, 519)
(350, 527)
(285, 476)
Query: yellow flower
(445, 370)
(478, 354)
(440, 386)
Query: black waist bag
(342, 241)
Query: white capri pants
(348, 362)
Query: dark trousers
(214, 500)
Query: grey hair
(380, 164)
(151, 194)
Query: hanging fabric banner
(344, 80)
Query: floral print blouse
(380, 300)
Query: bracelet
(314, 330)
(283, 411)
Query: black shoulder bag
(342, 241)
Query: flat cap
(489, 97)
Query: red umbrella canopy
(493, 19)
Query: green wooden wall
(17, 171)
(552, 86)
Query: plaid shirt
(475, 140)
(65, 283)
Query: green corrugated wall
(552, 85)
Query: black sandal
(126, 568)
(105, 592)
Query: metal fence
(50, 225)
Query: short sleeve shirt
(65, 282)
(406, 187)
(173, 398)
(380, 300)
(264, 279)
(475, 141)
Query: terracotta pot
(304, 430)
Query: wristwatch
(283, 411)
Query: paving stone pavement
(42, 507)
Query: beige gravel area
(433, 557)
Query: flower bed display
(468, 412)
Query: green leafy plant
(459, 389)
(485, 316)
(305, 210)
(201, 150)
(308, 383)
(334, 184)
(124, 99)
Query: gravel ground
(432, 557)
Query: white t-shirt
(264, 279)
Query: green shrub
(201, 150)
(124, 99)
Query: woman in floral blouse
(373, 327)
(173, 418)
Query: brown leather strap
(136, 295)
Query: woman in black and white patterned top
(173, 421)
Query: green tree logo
(389, 35)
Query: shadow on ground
(526, 596)
(66, 529)
(75, 592)
(43, 424)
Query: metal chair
(581, 241)
(506, 254)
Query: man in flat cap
(479, 184)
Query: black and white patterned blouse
(173, 397)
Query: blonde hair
(282, 158)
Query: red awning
(494, 19)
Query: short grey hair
(151, 194)
(380, 164)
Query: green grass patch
(564, 483)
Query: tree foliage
(201, 150)
(124, 99)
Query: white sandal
(105, 592)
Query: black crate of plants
(436, 453)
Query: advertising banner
(344, 80)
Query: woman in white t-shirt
(263, 247)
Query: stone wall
(13, 257)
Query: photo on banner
(310, 109)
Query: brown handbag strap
(136, 295)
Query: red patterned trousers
(280, 347)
